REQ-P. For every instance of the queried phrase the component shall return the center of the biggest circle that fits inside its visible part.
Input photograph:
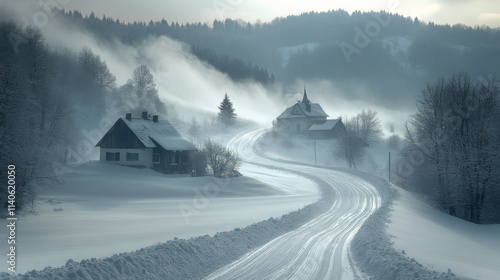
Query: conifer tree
(226, 112)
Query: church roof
(327, 125)
(300, 112)
(303, 109)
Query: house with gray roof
(328, 129)
(148, 143)
(303, 116)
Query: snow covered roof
(299, 111)
(327, 125)
(161, 133)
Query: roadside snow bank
(372, 247)
(186, 259)
(441, 242)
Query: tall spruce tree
(226, 112)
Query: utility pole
(389, 167)
(315, 163)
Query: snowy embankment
(186, 259)
(441, 242)
(373, 247)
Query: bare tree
(456, 130)
(221, 161)
(95, 72)
(95, 79)
(36, 116)
(142, 90)
(352, 148)
(365, 125)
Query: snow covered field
(358, 228)
(301, 149)
(103, 209)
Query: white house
(297, 119)
(145, 142)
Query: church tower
(306, 101)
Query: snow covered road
(320, 248)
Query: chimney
(155, 118)
(128, 116)
(145, 115)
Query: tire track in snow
(319, 248)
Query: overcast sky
(469, 12)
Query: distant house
(146, 142)
(298, 118)
(328, 129)
(309, 119)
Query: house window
(112, 156)
(156, 158)
(132, 156)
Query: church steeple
(306, 101)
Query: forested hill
(386, 53)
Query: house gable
(120, 136)
(297, 111)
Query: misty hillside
(387, 57)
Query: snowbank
(186, 259)
(373, 249)
(441, 242)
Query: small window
(112, 156)
(132, 156)
(156, 158)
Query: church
(307, 118)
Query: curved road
(320, 248)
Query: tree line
(408, 52)
(452, 151)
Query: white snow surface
(344, 235)
(318, 249)
(436, 245)
(441, 242)
(103, 209)
(313, 240)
